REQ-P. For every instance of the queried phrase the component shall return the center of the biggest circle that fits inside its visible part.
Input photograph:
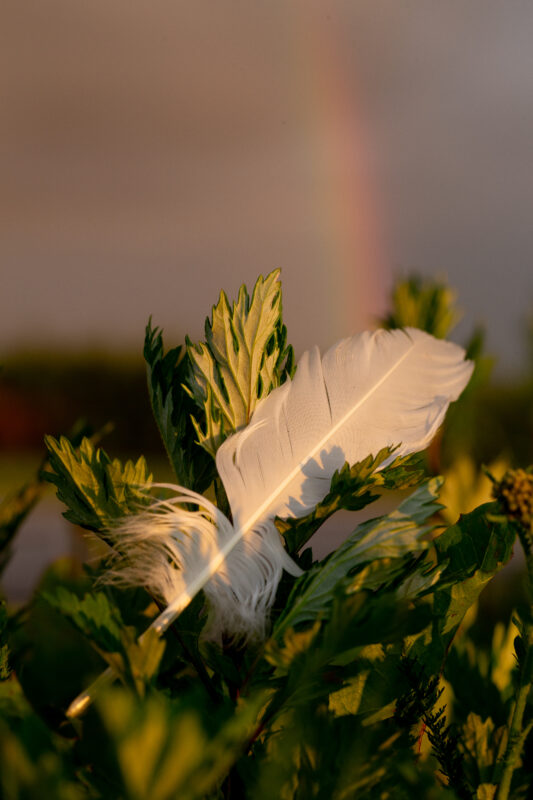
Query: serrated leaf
(315, 663)
(314, 754)
(15, 507)
(244, 357)
(352, 488)
(95, 489)
(172, 408)
(486, 791)
(423, 303)
(135, 660)
(168, 749)
(348, 699)
(481, 742)
(93, 615)
(144, 657)
(294, 644)
(393, 536)
(35, 763)
(503, 656)
(13, 511)
(476, 737)
(470, 553)
(478, 541)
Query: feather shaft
(160, 624)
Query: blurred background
(154, 153)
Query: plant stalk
(517, 735)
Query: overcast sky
(152, 153)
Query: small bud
(515, 494)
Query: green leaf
(51, 659)
(481, 744)
(137, 661)
(423, 303)
(14, 508)
(4, 649)
(352, 488)
(486, 791)
(143, 657)
(93, 615)
(315, 664)
(13, 702)
(95, 489)
(469, 668)
(13, 511)
(36, 764)
(168, 749)
(469, 554)
(478, 541)
(348, 699)
(244, 357)
(390, 537)
(313, 754)
(172, 408)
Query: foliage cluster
(375, 681)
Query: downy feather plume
(373, 390)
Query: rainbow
(347, 209)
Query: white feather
(368, 392)
(174, 553)
(371, 391)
